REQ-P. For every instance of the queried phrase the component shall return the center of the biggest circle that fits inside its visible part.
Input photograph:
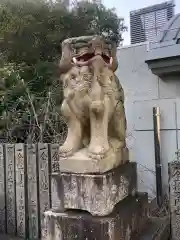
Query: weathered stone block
(128, 218)
(95, 193)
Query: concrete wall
(143, 91)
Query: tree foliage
(31, 33)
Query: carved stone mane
(93, 105)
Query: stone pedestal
(127, 219)
(95, 193)
(80, 163)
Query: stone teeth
(74, 60)
(111, 60)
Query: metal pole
(158, 165)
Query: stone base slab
(80, 163)
(128, 218)
(95, 193)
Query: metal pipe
(157, 148)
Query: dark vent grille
(147, 23)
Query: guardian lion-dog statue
(93, 106)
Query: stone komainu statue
(93, 102)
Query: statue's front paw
(97, 151)
(65, 151)
(96, 156)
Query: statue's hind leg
(117, 125)
(74, 137)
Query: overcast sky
(125, 6)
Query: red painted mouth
(87, 56)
